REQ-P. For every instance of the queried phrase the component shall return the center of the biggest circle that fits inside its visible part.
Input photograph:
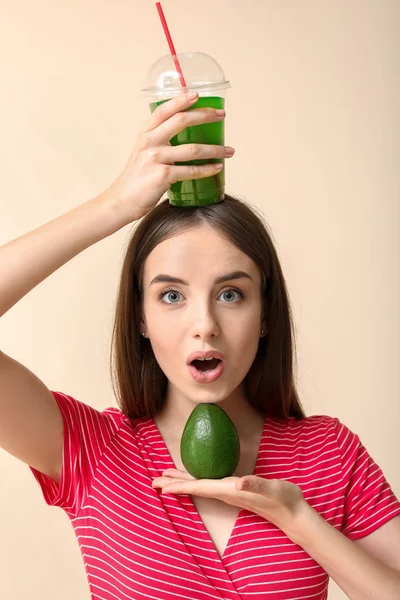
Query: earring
(143, 333)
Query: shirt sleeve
(369, 501)
(87, 433)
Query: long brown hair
(138, 381)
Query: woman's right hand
(151, 171)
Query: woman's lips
(207, 376)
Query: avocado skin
(210, 445)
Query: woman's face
(180, 318)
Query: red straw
(170, 43)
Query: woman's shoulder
(308, 423)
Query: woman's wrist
(113, 215)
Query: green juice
(209, 190)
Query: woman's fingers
(176, 473)
(193, 172)
(167, 109)
(189, 152)
(181, 120)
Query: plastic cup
(203, 75)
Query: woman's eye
(173, 292)
(230, 292)
(169, 292)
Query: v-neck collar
(190, 506)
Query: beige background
(313, 114)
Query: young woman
(196, 283)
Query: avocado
(210, 445)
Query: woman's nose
(205, 326)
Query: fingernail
(192, 96)
(220, 113)
(229, 150)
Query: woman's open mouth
(206, 371)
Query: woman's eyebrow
(221, 279)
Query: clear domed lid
(201, 73)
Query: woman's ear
(264, 327)
(139, 314)
(142, 325)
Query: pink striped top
(138, 544)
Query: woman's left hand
(275, 500)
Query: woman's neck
(248, 420)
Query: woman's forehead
(197, 256)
